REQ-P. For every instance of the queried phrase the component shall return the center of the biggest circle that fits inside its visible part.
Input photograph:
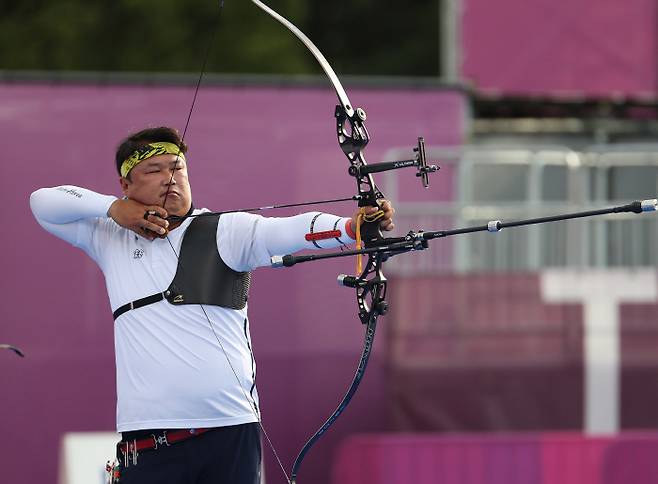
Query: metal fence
(516, 182)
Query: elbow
(35, 200)
(41, 203)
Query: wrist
(349, 230)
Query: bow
(352, 144)
(371, 284)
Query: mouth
(171, 193)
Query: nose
(170, 178)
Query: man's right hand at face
(145, 220)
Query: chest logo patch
(138, 253)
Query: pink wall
(577, 47)
(486, 353)
(540, 458)
(249, 147)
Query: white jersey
(171, 370)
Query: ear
(125, 183)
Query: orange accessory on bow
(363, 217)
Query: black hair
(149, 135)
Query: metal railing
(518, 182)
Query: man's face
(151, 179)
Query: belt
(130, 449)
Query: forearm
(246, 241)
(67, 203)
(289, 234)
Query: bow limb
(342, 95)
(353, 140)
(375, 292)
(360, 371)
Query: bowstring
(252, 402)
(177, 218)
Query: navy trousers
(225, 455)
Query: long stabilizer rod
(418, 240)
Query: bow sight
(357, 138)
(419, 161)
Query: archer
(178, 278)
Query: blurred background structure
(527, 357)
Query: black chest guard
(202, 277)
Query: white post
(450, 41)
(600, 292)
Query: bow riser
(371, 289)
(353, 141)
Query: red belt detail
(327, 234)
(155, 441)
